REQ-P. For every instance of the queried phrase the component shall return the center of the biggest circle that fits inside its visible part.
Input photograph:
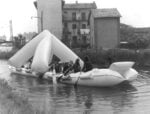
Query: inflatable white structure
(63, 52)
(42, 56)
(42, 48)
(117, 73)
(26, 52)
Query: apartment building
(76, 31)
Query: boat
(117, 73)
(29, 73)
(23, 72)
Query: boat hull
(96, 77)
(24, 72)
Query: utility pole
(41, 19)
(11, 30)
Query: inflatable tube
(26, 52)
(96, 77)
(121, 67)
(131, 74)
(63, 52)
(42, 56)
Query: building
(105, 28)
(49, 14)
(80, 24)
(75, 23)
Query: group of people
(65, 68)
(70, 67)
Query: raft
(28, 73)
(117, 73)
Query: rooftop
(80, 6)
(101, 13)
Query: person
(65, 67)
(52, 68)
(87, 64)
(69, 68)
(76, 66)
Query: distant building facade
(49, 14)
(80, 24)
(105, 28)
(75, 23)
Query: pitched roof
(80, 6)
(101, 13)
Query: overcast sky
(134, 12)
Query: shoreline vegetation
(11, 102)
(103, 58)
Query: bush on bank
(103, 58)
(12, 103)
(7, 54)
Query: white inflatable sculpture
(42, 56)
(42, 48)
(116, 74)
(63, 52)
(26, 52)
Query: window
(84, 39)
(84, 26)
(74, 38)
(74, 26)
(74, 16)
(65, 25)
(65, 12)
(83, 15)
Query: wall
(50, 16)
(92, 35)
(106, 32)
(68, 18)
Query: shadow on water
(94, 99)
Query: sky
(134, 13)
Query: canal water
(47, 98)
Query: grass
(12, 103)
(16, 103)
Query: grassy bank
(12, 103)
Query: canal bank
(11, 102)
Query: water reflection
(68, 98)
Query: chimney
(76, 1)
